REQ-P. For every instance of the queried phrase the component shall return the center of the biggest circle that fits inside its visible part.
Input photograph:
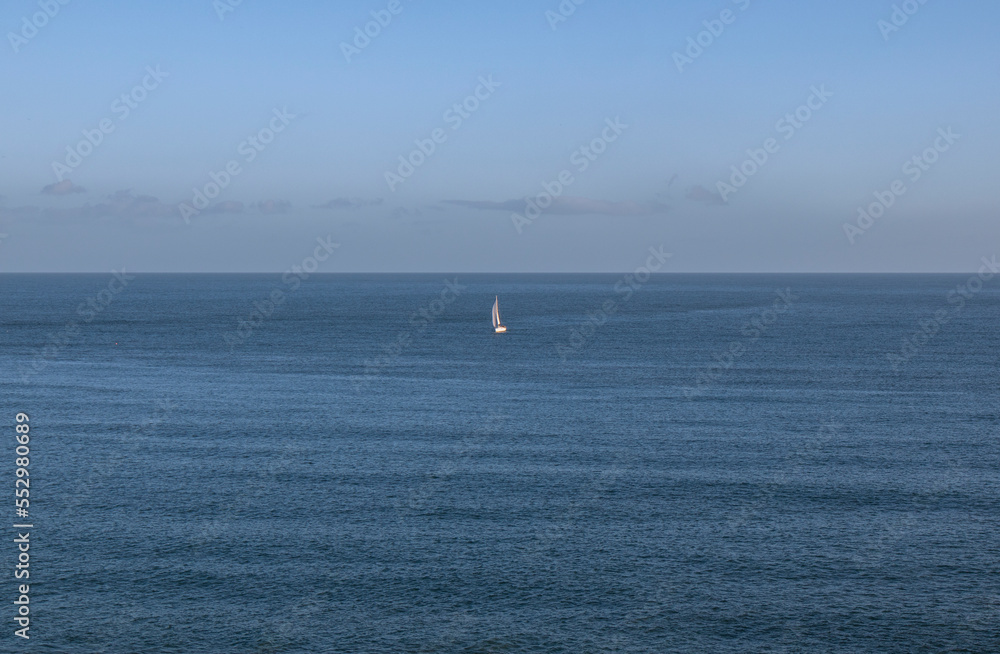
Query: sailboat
(497, 327)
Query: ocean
(357, 463)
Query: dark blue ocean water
(715, 463)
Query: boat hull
(501, 329)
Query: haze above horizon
(546, 136)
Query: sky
(738, 135)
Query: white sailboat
(497, 327)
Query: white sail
(497, 325)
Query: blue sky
(546, 87)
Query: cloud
(487, 205)
(65, 187)
(14, 213)
(274, 206)
(702, 194)
(402, 212)
(126, 205)
(348, 203)
(229, 206)
(122, 204)
(571, 206)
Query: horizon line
(453, 272)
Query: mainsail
(496, 313)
